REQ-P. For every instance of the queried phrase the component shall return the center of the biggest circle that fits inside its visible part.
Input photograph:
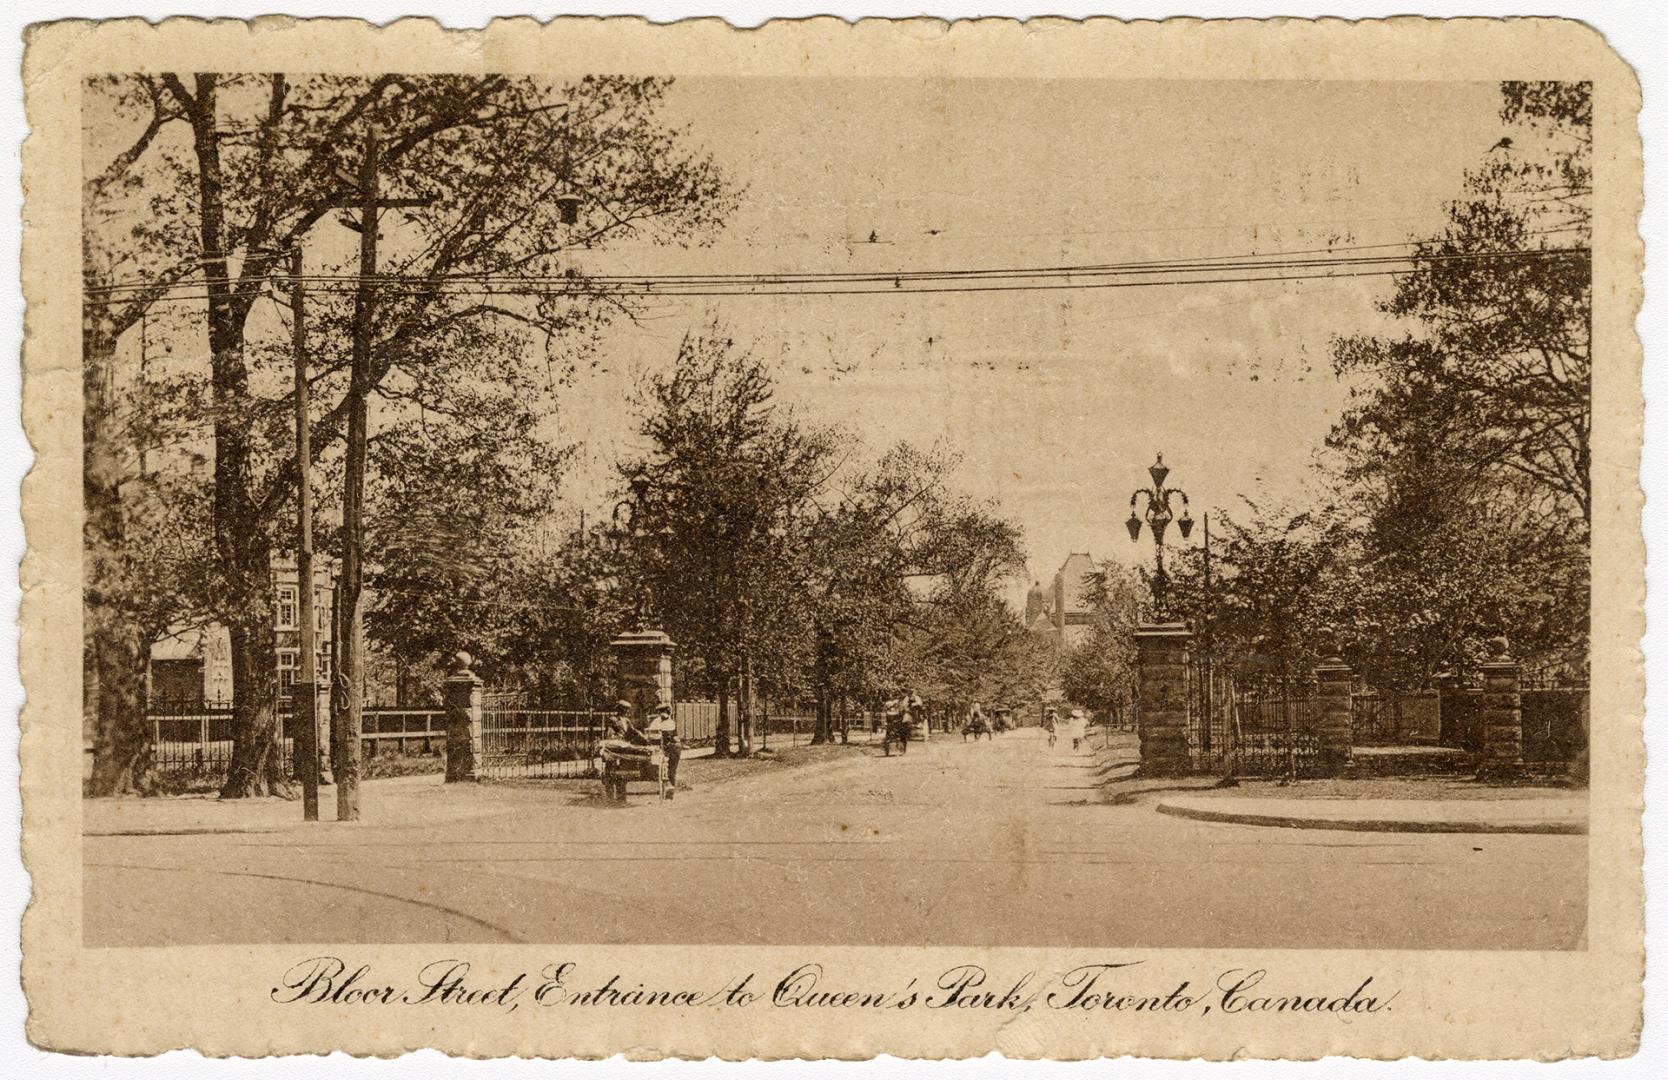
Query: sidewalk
(1562, 813)
(403, 801)
(419, 800)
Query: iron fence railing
(1275, 728)
(518, 743)
(1396, 718)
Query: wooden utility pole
(347, 700)
(347, 719)
(304, 694)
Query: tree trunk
(240, 539)
(825, 718)
(257, 767)
(825, 724)
(721, 732)
(114, 651)
(122, 759)
(744, 721)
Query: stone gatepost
(1502, 756)
(1334, 726)
(462, 695)
(1161, 654)
(645, 665)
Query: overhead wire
(1281, 266)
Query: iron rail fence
(1396, 718)
(191, 738)
(518, 743)
(1275, 722)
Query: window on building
(286, 607)
(286, 671)
(321, 610)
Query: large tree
(1099, 671)
(718, 505)
(885, 539)
(276, 163)
(143, 530)
(1465, 452)
(1273, 586)
(1498, 316)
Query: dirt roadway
(988, 843)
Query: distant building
(191, 667)
(1062, 611)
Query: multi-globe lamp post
(1158, 513)
(643, 653)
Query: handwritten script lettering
(1094, 988)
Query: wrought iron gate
(1276, 719)
(1211, 732)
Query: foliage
(238, 169)
(1465, 453)
(969, 646)
(1099, 672)
(1494, 368)
(1273, 584)
(766, 548)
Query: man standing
(666, 729)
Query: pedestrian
(666, 729)
(1078, 723)
(1051, 720)
(621, 725)
(897, 724)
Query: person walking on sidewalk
(1078, 724)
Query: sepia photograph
(888, 510)
(593, 444)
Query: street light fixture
(625, 527)
(1159, 515)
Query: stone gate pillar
(1334, 727)
(462, 696)
(645, 666)
(1161, 656)
(1502, 756)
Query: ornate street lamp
(643, 654)
(624, 527)
(567, 198)
(1159, 515)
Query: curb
(1230, 817)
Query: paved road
(992, 843)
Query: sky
(1058, 401)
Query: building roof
(1073, 578)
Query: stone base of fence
(1161, 652)
(1333, 727)
(463, 722)
(1502, 752)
